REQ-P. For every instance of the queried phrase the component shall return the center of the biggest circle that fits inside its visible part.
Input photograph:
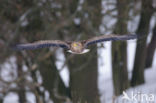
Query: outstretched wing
(42, 44)
(110, 37)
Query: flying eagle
(76, 47)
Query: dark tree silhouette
(142, 31)
(119, 50)
(21, 84)
(151, 49)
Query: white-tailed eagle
(76, 47)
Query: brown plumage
(76, 47)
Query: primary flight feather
(76, 47)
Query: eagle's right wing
(42, 44)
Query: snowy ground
(105, 77)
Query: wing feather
(111, 37)
(42, 44)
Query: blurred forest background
(36, 72)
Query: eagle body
(76, 47)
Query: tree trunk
(83, 78)
(119, 50)
(151, 49)
(143, 28)
(21, 85)
(83, 68)
(1, 100)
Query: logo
(138, 97)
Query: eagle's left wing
(42, 44)
(111, 37)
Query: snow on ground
(147, 89)
(105, 78)
(145, 93)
